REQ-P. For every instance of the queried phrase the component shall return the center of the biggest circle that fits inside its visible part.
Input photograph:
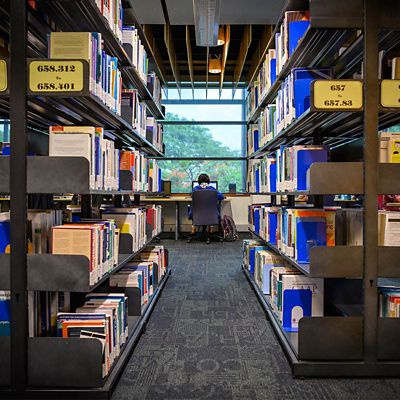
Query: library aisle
(208, 338)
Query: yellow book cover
(394, 150)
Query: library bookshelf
(355, 341)
(53, 367)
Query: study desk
(176, 200)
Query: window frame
(242, 123)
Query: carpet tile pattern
(208, 338)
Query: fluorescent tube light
(206, 21)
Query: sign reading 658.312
(56, 76)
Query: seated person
(204, 184)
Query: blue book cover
(273, 226)
(257, 180)
(302, 78)
(304, 160)
(252, 257)
(297, 303)
(310, 232)
(256, 220)
(272, 177)
(272, 70)
(5, 315)
(5, 236)
(256, 141)
(296, 32)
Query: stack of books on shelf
(294, 230)
(136, 51)
(389, 301)
(134, 111)
(293, 98)
(154, 133)
(154, 86)
(293, 28)
(105, 76)
(285, 288)
(97, 240)
(112, 11)
(103, 316)
(105, 162)
(146, 174)
(287, 170)
(88, 142)
(141, 222)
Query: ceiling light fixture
(221, 36)
(206, 21)
(215, 66)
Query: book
(5, 313)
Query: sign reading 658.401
(55, 76)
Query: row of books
(291, 295)
(134, 111)
(96, 240)
(287, 171)
(155, 133)
(389, 302)
(294, 230)
(136, 51)
(105, 162)
(262, 132)
(103, 316)
(105, 76)
(292, 29)
(39, 225)
(146, 174)
(292, 101)
(154, 86)
(112, 11)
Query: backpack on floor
(229, 229)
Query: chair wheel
(189, 240)
(221, 240)
(208, 241)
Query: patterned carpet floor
(208, 338)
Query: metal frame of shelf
(368, 346)
(21, 373)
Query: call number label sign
(337, 95)
(56, 76)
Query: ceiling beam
(156, 53)
(260, 53)
(224, 57)
(169, 43)
(189, 57)
(244, 48)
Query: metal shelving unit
(355, 344)
(30, 366)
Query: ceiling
(232, 11)
(242, 16)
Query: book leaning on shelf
(105, 77)
(88, 142)
(135, 50)
(96, 240)
(134, 111)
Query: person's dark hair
(203, 178)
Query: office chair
(204, 212)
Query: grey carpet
(208, 338)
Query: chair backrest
(205, 207)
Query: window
(204, 136)
(181, 173)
